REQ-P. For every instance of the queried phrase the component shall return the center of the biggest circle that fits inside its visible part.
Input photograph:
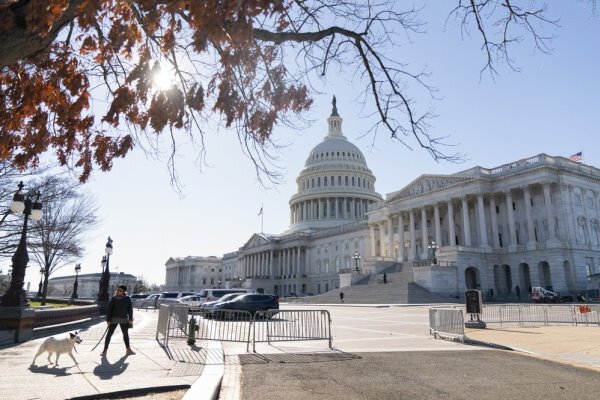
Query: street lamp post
(29, 205)
(39, 293)
(105, 279)
(434, 246)
(74, 295)
(356, 257)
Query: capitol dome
(336, 186)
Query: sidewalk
(149, 370)
(573, 345)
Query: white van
(215, 294)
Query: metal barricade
(291, 325)
(545, 314)
(447, 322)
(225, 325)
(172, 323)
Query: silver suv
(171, 297)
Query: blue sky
(551, 106)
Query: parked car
(539, 295)
(171, 297)
(208, 306)
(215, 294)
(193, 302)
(148, 302)
(247, 302)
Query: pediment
(257, 240)
(426, 183)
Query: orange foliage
(45, 99)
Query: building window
(339, 181)
(346, 180)
(581, 230)
(577, 199)
(596, 233)
(590, 202)
(514, 206)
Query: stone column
(494, 219)
(271, 264)
(381, 226)
(298, 268)
(372, 237)
(529, 216)
(400, 237)
(438, 229)
(550, 218)
(451, 230)
(390, 224)
(411, 231)
(588, 216)
(424, 235)
(482, 224)
(466, 222)
(512, 247)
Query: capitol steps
(396, 292)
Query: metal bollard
(192, 332)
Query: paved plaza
(379, 352)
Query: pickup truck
(541, 295)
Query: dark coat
(120, 307)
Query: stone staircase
(395, 292)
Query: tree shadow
(106, 370)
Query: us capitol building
(532, 222)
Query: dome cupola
(336, 186)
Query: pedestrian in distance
(384, 278)
(518, 291)
(342, 297)
(119, 312)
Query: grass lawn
(54, 305)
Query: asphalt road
(486, 374)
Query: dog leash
(106, 330)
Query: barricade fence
(522, 314)
(264, 327)
(172, 323)
(291, 325)
(447, 323)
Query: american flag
(260, 211)
(576, 156)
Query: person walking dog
(119, 312)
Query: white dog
(58, 346)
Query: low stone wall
(17, 324)
(61, 315)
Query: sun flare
(162, 77)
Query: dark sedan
(248, 302)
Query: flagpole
(262, 219)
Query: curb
(207, 387)
(489, 344)
(122, 394)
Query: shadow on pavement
(46, 369)
(106, 370)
